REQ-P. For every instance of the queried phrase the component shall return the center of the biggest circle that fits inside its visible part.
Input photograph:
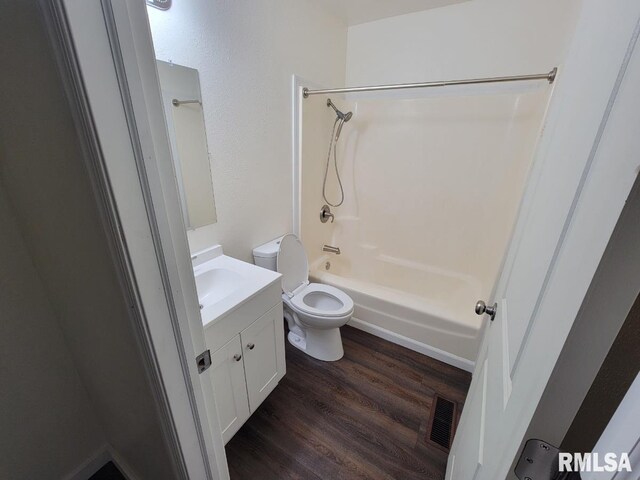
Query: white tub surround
(433, 183)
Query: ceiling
(354, 12)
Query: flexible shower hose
(333, 144)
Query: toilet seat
(314, 299)
(322, 300)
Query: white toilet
(314, 312)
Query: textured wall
(471, 39)
(46, 183)
(47, 422)
(246, 53)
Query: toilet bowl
(314, 312)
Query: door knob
(250, 346)
(482, 308)
(237, 357)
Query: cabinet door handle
(237, 357)
(250, 346)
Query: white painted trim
(106, 453)
(414, 345)
(91, 465)
(104, 49)
(297, 84)
(296, 150)
(122, 465)
(140, 91)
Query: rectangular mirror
(182, 104)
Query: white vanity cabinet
(229, 387)
(247, 357)
(263, 346)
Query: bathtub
(423, 308)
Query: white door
(587, 162)
(229, 388)
(263, 350)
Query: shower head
(345, 117)
(342, 117)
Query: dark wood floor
(363, 417)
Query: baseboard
(91, 465)
(414, 345)
(106, 453)
(122, 465)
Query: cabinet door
(229, 388)
(263, 347)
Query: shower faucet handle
(325, 214)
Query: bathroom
(341, 238)
(459, 156)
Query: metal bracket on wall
(539, 461)
(203, 361)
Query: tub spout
(331, 249)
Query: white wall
(246, 53)
(471, 39)
(47, 422)
(46, 183)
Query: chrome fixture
(549, 77)
(176, 103)
(331, 249)
(160, 4)
(341, 119)
(237, 357)
(344, 117)
(203, 361)
(325, 214)
(482, 308)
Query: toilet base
(325, 345)
(297, 341)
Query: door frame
(107, 63)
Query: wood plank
(364, 416)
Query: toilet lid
(292, 263)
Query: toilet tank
(266, 255)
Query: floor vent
(441, 423)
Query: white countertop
(254, 280)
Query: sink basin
(216, 284)
(223, 283)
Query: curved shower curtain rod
(550, 77)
